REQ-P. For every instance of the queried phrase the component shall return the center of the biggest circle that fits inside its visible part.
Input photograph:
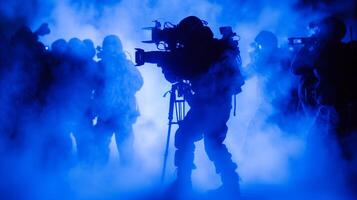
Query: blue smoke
(273, 163)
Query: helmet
(76, 47)
(89, 48)
(190, 24)
(266, 40)
(112, 43)
(59, 46)
(191, 29)
(332, 28)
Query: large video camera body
(302, 41)
(187, 49)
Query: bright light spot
(74, 143)
(114, 154)
(95, 121)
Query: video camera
(166, 37)
(167, 40)
(303, 41)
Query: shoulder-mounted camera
(170, 38)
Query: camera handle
(178, 106)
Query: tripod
(177, 104)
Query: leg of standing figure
(103, 132)
(217, 152)
(124, 138)
(189, 131)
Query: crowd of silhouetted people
(62, 104)
(66, 100)
(315, 77)
(312, 78)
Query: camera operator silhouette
(211, 67)
(270, 62)
(332, 64)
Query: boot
(225, 191)
(230, 187)
(181, 188)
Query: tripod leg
(170, 117)
(166, 154)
